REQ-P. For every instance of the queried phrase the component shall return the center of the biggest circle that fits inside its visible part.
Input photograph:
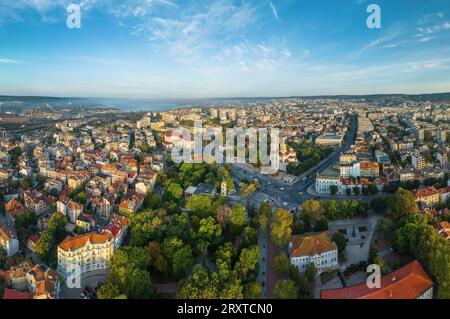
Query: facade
(370, 169)
(350, 170)
(330, 139)
(313, 248)
(429, 196)
(90, 252)
(8, 240)
(408, 282)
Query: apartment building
(89, 252)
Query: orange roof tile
(408, 282)
(74, 243)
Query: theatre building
(408, 282)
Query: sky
(223, 48)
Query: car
(282, 188)
(89, 292)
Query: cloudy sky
(223, 48)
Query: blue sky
(223, 48)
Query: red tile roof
(408, 282)
(13, 294)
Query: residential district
(360, 183)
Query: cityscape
(168, 196)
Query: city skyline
(183, 49)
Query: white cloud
(274, 10)
(9, 61)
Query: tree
(209, 230)
(341, 243)
(380, 262)
(238, 219)
(281, 264)
(174, 193)
(200, 204)
(199, 285)
(372, 254)
(313, 208)
(379, 205)
(80, 198)
(151, 200)
(310, 272)
(158, 260)
(333, 189)
(373, 189)
(264, 214)
(285, 289)
(321, 224)
(2, 257)
(252, 290)
(281, 227)
(223, 215)
(248, 262)
(402, 204)
(182, 260)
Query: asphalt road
(293, 195)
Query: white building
(349, 170)
(313, 248)
(89, 252)
(8, 241)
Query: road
(293, 195)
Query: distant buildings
(330, 139)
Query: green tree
(285, 289)
(182, 260)
(402, 204)
(341, 243)
(310, 272)
(252, 290)
(281, 227)
(199, 285)
(248, 262)
(238, 219)
(313, 208)
(321, 224)
(209, 230)
(200, 204)
(333, 189)
(264, 214)
(281, 264)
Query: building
(443, 228)
(90, 252)
(408, 282)
(370, 169)
(313, 248)
(324, 181)
(350, 170)
(330, 139)
(418, 162)
(8, 240)
(347, 158)
(43, 282)
(71, 209)
(118, 227)
(429, 196)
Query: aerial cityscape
(216, 169)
